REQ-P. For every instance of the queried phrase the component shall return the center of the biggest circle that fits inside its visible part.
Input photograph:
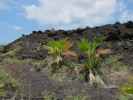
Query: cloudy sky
(19, 17)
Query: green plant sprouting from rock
(56, 48)
(92, 62)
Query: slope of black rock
(120, 35)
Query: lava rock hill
(120, 36)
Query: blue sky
(19, 17)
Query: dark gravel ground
(39, 84)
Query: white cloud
(72, 13)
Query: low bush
(92, 61)
(6, 80)
(56, 48)
(126, 92)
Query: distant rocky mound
(120, 36)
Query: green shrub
(6, 79)
(56, 48)
(127, 89)
(92, 62)
(126, 92)
(89, 47)
(12, 53)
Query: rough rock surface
(120, 36)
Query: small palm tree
(56, 48)
(92, 63)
